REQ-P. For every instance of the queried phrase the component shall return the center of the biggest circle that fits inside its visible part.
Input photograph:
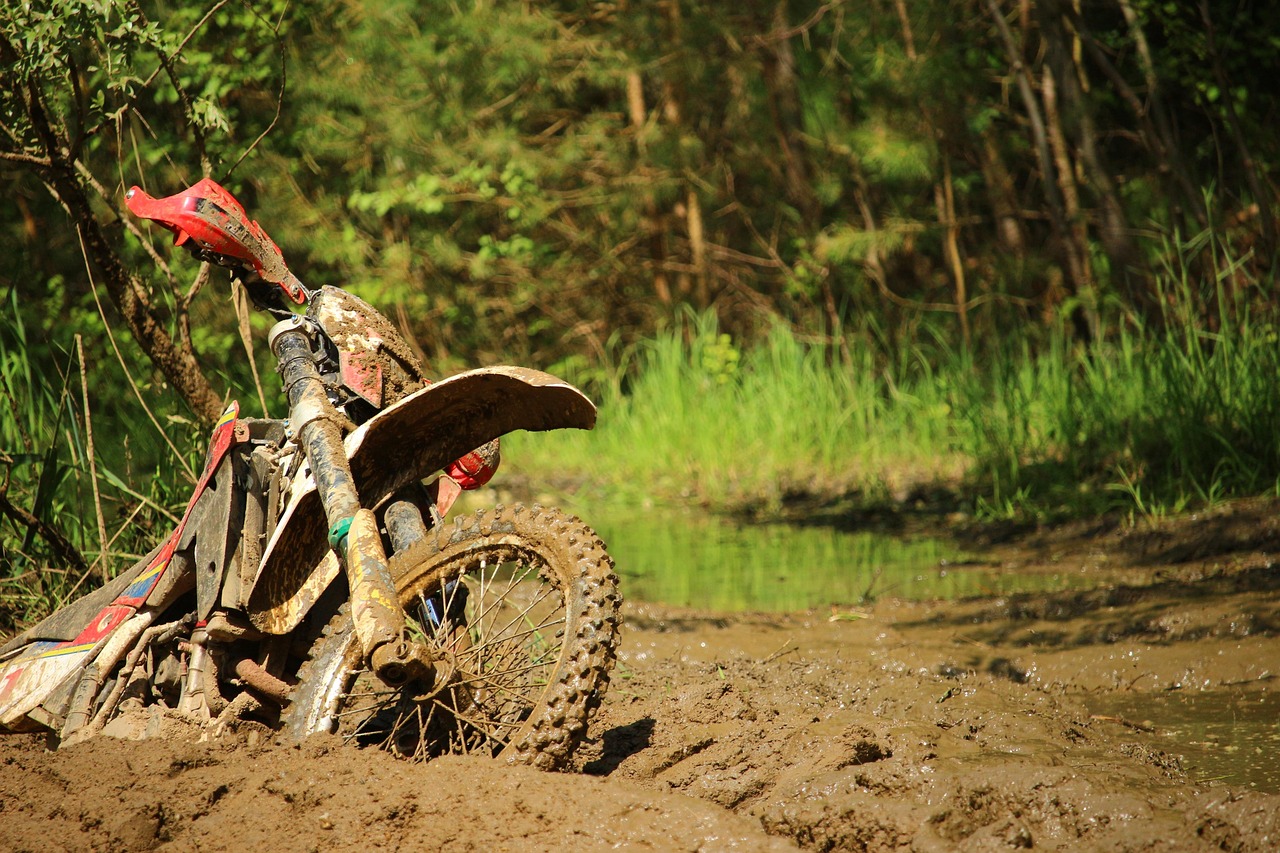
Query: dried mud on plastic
(903, 726)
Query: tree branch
(61, 546)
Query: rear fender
(404, 443)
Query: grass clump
(1155, 415)
(1163, 413)
(699, 419)
(62, 533)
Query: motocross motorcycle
(312, 583)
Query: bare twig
(1107, 718)
(146, 500)
(240, 299)
(785, 649)
(199, 25)
(110, 542)
(798, 29)
(126, 221)
(101, 561)
(275, 31)
(184, 303)
(77, 98)
(62, 546)
(20, 157)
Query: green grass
(699, 420)
(45, 474)
(1174, 410)
(1177, 409)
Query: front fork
(353, 530)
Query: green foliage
(45, 472)
(702, 420)
(754, 231)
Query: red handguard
(211, 217)
(477, 467)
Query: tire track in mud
(867, 735)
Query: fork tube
(379, 621)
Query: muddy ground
(900, 726)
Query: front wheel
(520, 607)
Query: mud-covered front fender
(406, 442)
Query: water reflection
(714, 564)
(1231, 735)
(710, 563)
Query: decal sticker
(219, 443)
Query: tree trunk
(1003, 197)
(1074, 119)
(1076, 242)
(1156, 116)
(657, 245)
(1077, 271)
(779, 72)
(944, 198)
(1267, 233)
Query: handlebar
(207, 220)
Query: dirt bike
(312, 583)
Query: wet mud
(985, 724)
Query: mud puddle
(988, 723)
(720, 564)
(1222, 735)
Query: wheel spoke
(492, 601)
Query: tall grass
(1159, 413)
(1176, 409)
(51, 546)
(39, 441)
(699, 419)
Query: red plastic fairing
(477, 467)
(209, 215)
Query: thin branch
(112, 541)
(240, 301)
(184, 304)
(485, 112)
(142, 120)
(275, 31)
(120, 484)
(93, 288)
(101, 561)
(77, 97)
(62, 546)
(199, 25)
(792, 32)
(31, 159)
(126, 221)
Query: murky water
(711, 563)
(1232, 735)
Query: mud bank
(903, 726)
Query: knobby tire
(533, 639)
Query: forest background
(1011, 257)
